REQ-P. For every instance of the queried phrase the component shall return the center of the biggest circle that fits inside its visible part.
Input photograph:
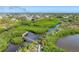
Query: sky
(39, 9)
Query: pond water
(12, 48)
(51, 29)
(30, 37)
(69, 43)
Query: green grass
(3, 45)
(47, 22)
(39, 30)
(2, 30)
(17, 40)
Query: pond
(30, 37)
(12, 48)
(69, 43)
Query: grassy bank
(51, 38)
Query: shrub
(17, 40)
(2, 30)
(3, 45)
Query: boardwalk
(39, 48)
